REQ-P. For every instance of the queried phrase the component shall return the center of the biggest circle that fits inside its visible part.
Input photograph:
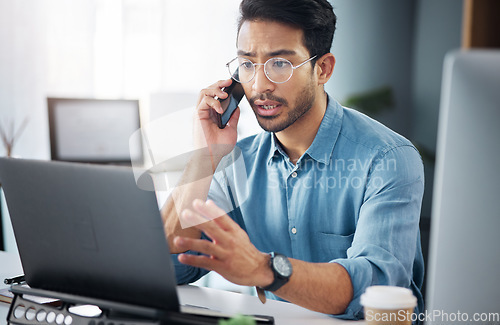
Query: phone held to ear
(230, 103)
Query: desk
(224, 301)
(232, 303)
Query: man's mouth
(267, 105)
(268, 110)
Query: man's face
(277, 106)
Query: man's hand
(231, 254)
(207, 134)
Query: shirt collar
(321, 149)
(275, 148)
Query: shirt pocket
(331, 246)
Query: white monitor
(94, 130)
(464, 259)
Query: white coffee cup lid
(388, 297)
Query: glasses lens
(241, 70)
(278, 70)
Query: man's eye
(246, 65)
(279, 64)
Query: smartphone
(230, 103)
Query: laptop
(88, 230)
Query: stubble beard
(302, 105)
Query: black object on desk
(23, 311)
(14, 280)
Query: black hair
(315, 17)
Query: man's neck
(299, 136)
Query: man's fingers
(208, 209)
(210, 102)
(211, 211)
(209, 227)
(199, 245)
(224, 83)
(191, 219)
(204, 262)
(215, 90)
(233, 121)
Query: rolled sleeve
(185, 274)
(384, 250)
(219, 193)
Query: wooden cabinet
(481, 25)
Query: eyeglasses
(278, 70)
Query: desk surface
(224, 301)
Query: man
(335, 195)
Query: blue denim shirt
(353, 198)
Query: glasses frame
(264, 65)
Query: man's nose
(261, 84)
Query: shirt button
(294, 174)
(294, 230)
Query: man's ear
(325, 65)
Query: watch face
(282, 265)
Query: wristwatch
(282, 269)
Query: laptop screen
(89, 230)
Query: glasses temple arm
(298, 66)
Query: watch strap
(261, 294)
